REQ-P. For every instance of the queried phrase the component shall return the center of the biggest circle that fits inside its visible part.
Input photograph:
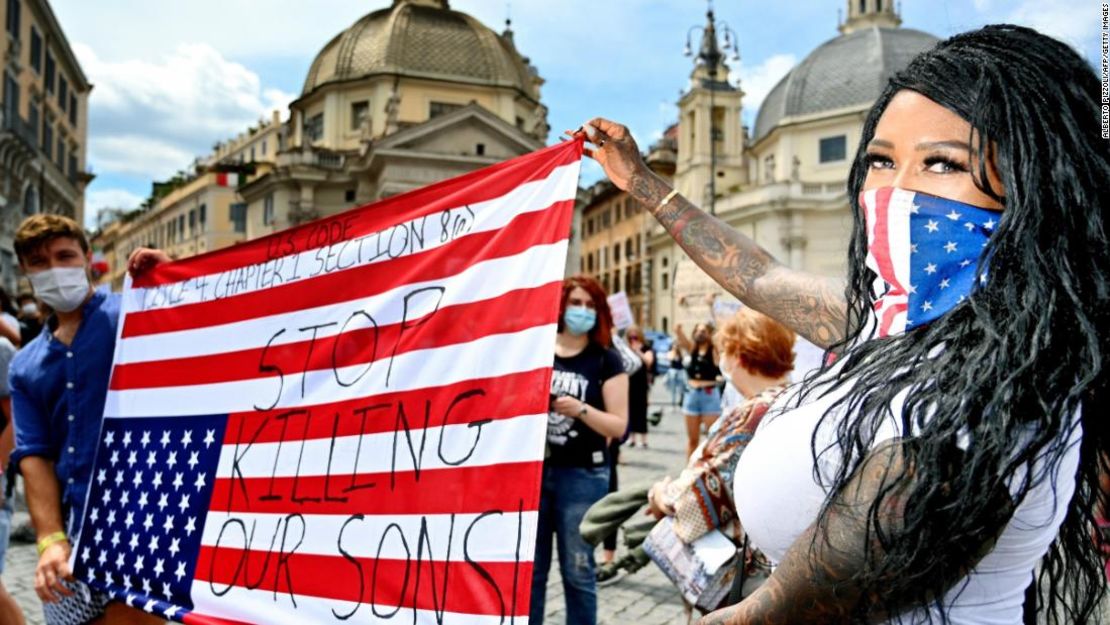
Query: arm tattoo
(811, 305)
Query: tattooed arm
(818, 580)
(811, 305)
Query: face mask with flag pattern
(925, 251)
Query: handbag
(703, 570)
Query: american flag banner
(924, 251)
(340, 422)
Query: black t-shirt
(570, 442)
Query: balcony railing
(13, 123)
(312, 157)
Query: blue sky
(171, 79)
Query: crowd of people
(946, 463)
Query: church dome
(851, 69)
(424, 39)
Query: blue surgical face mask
(579, 319)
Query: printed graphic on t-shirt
(568, 383)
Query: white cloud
(758, 80)
(101, 199)
(151, 117)
(1058, 18)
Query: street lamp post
(710, 55)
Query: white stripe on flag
(502, 441)
(496, 542)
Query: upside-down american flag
(340, 421)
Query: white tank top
(777, 498)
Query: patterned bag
(702, 571)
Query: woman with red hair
(757, 355)
(589, 404)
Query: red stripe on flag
(378, 585)
(460, 490)
(524, 232)
(478, 186)
(363, 344)
(453, 404)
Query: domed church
(784, 182)
(404, 97)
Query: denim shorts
(702, 401)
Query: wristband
(582, 412)
(667, 199)
(45, 542)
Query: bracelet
(667, 199)
(45, 542)
(582, 412)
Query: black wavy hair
(992, 386)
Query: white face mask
(61, 288)
(30, 309)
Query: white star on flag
(913, 289)
(187, 438)
(151, 458)
(149, 605)
(168, 525)
(989, 225)
(184, 503)
(172, 459)
(138, 479)
(152, 546)
(177, 481)
(158, 566)
(932, 226)
(944, 283)
(95, 514)
(165, 440)
(145, 440)
(950, 247)
(126, 439)
(101, 475)
(930, 268)
(970, 226)
(953, 215)
(199, 483)
(209, 438)
(171, 611)
(109, 438)
(965, 263)
(194, 459)
(191, 525)
(175, 546)
(139, 563)
(148, 522)
(180, 572)
(927, 306)
(134, 542)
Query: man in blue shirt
(59, 382)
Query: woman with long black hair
(954, 446)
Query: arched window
(863, 6)
(30, 201)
